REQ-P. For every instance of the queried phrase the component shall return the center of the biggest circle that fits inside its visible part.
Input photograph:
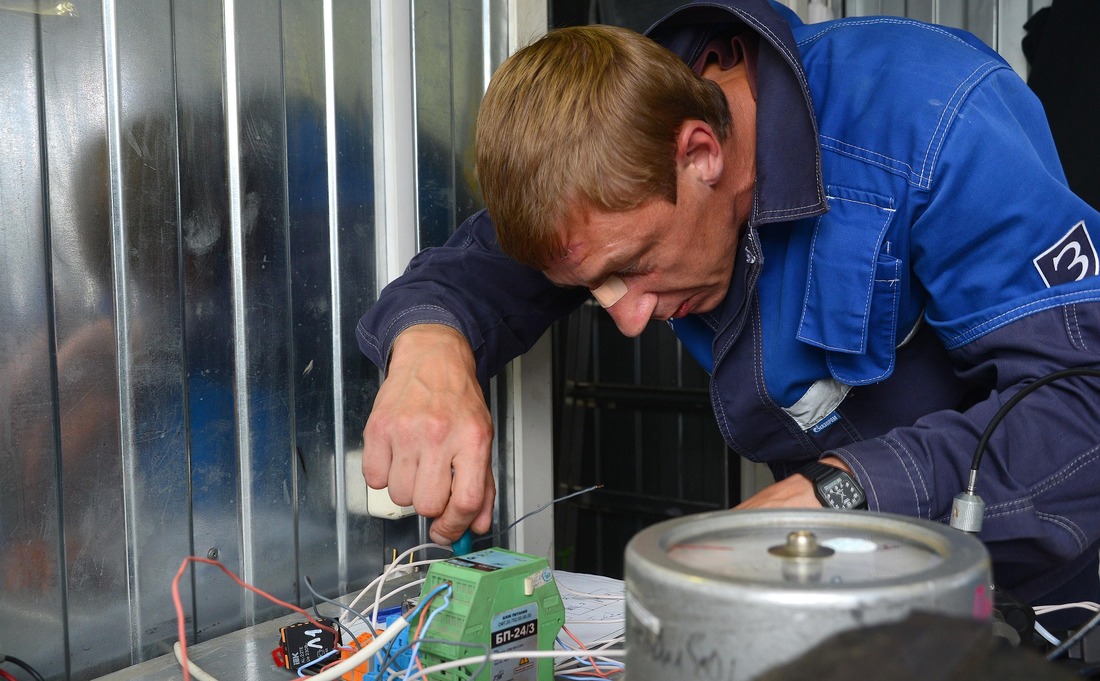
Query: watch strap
(817, 473)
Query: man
(860, 228)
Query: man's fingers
(468, 499)
(376, 458)
(484, 519)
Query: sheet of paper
(594, 609)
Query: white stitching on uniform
(1039, 305)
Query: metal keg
(730, 595)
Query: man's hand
(795, 491)
(429, 435)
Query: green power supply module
(501, 599)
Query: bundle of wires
(18, 663)
(330, 673)
(595, 662)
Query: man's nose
(630, 312)
(631, 319)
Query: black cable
(1007, 406)
(1077, 636)
(980, 450)
(20, 663)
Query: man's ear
(698, 152)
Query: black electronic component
(304, 642)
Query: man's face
(673, 259)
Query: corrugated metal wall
(187, 236)
(999, 23)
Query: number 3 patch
(1071, 259)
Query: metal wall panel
(31, 567)
(450, 76)
(187, 239)
(998, 23)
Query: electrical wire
(540, 509)
(492, 657)
(1012, 402)
(591, 660)
(381, 579)
(390, 656)
(395, 675)
(180, 626)
(1085, 605)
(301, 670)
(1077, 636)
(1045, 633)
(23, 665)
(425, 624)
(314, 596)
(6, 676)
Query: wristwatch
(834, 487)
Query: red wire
(420, 625)
(595, 666)
(181, 629)
(6, 676)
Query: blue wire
(413, 613)
(591, 653)
(424, 601)
(427, 625)
(302, 674)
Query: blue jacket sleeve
(998, 203)
(499, 305)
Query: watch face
(841, 492)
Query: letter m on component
(1071, 259)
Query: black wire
(20, 663)
(1077, 636)
(313, 596)
(1027, 390)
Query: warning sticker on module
(516, 629)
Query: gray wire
(313, 594)
(540, 509)
(1077, 636)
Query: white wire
(589, 653)
(1042, 631)
(1085, 605)
(359, 657)
(399, 590)
(379, 599)
(195, 670)
(380, 579)
(511, 655)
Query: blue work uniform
(913, 259)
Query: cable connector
(968, 509)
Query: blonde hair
(587, 114)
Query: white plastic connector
(379, 505)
